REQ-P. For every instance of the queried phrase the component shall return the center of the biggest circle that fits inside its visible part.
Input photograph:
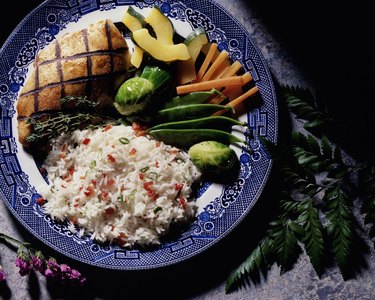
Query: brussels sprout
(135, 93)
(217, 161)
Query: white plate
(221, 208)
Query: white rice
(117, 186)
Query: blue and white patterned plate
(221, 208)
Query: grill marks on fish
(88, 54)
(111, 53)
(83, 63)
(36, 98)
(110, 45)
(88, 62)
(86, 79)
(59, 68)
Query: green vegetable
(212, 122)
(216, 161)
(46, 127)
(124, 140)
(78, 102)
(157, 209)
(195, 40)
(135, 94)
(158, 77)
(187, 137)
(191, 98)
(143, 170)
(161, 25)
(132, 12)
(189, 112)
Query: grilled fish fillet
(82, 63)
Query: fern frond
(341, 225)
(313, 238)
(285, 237)
(260, 258)
(302, 103)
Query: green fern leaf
(327, 149)
(313, 236)
(260, 258)
(341, 225)
(302, 103)
(285, 237)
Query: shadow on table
(187, 279)
(332, 45)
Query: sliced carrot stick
(230, 90)
(206, 62)
(234, 92)
(238, 100)
(216, 64)
(222, 69)
(208, 85)
(232, 70)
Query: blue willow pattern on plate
(218, 218)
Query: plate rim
(232, 225)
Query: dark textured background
(326, 48)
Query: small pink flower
(65, 272)
(38, 264)
(23, 265)
(77, 277)
(53, 269)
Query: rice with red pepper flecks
(118, 185)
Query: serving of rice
(118, 185)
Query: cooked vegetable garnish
(124, 140)
(207, 85)
(215, 66)
(190, 111)
(158, 49)
(195, 40)
(133, 19)
(187, 137)
(217, 161)
(239, 100)
(49, 126)
(206, 62)
(161, 25)
(213, 122)
(134, 94)
(231, 70)
(231, 92)
(137, 57)
(193, 98)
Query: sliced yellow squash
(132, 19)
(161, 25)
(137, 57)
(159, 50)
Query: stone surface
(291, 59)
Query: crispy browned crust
(84, 63)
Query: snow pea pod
(212, 122)
(187, 137)
(189, 112)
(191, 98)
